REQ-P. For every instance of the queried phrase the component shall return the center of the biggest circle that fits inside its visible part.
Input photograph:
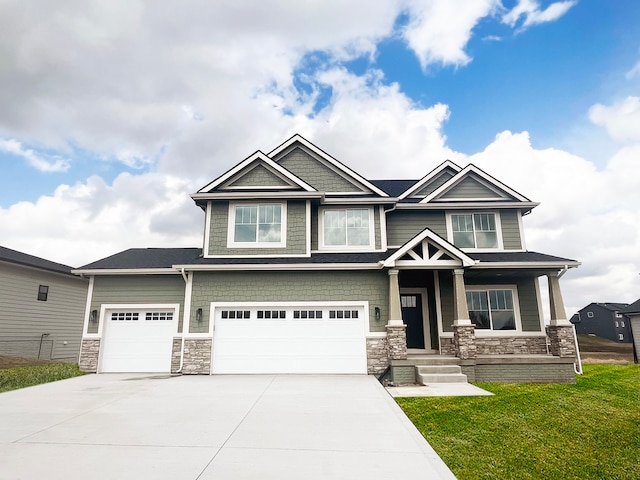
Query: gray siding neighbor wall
(296, 232)
(24, 319)
(403, 225)
(370, 286)
(140, 289)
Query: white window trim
(481, 332)
(589, 314)
(231, 226)
(496, 214)
(346, 248)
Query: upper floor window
(348, 227)
(474, 230)
(590, 314)
(492, 309)
(43, 293)
(261, 225)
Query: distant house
(606, 320)
(41, 307)
(632, 312)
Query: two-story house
(308, 267)
(604, 319)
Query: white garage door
(138, 340)
(296, 338)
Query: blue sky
(114, 112)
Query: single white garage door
(294, 338)
(138, 340)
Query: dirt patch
(602, 350)
(12, 362)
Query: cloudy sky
(111, 113)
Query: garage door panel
(138, 340)
(289, 343)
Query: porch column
(396, 329)
(464, 337)
(561, 334)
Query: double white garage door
(248, 338)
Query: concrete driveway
(132, 426)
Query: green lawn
(590, 430)
(20, 377)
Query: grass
(21, 377)
(590, 430)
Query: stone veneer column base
(561, 341)
(377, 355)
(397, 342)
(464, 341)
(89, 353)
(176, 350)
(197, 356)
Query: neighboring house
(42, 307)
(605, 320)
(632, 312)
(308, 267)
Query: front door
(411, 304)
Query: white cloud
(634, 72)
(533, 15)
(439, 30)
(37, 161)
(621, 120)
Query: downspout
(186, 282)
(577, 367)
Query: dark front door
(412, 316)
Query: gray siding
(259, 177)
(468, 188)
(527, 298)
(313, 172)
(403, 225)
(290, 287)
(435, 183)
(296, 232)
(23, 318)
(140, 289)
(510, 230)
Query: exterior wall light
(93, 317)
(199, 315)
(377, 313)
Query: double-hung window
(474, 230)
(349, 227)
(492, 309)
(253, 225)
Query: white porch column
(395, 311)
(460, 309)
(558, 313)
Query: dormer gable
(432, 180)
(320, 170)
(257, 173)
(471, 184)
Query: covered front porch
(484, 315)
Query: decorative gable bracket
(428, 250)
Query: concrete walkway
(221, 427)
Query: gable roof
(446, 166)
(610, 306)
(633, 308)
(297, 140)
(428, 249)
(144, 258)
(248, 164)
(19, 258)
(503, 192)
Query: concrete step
(427, 378)
(431, 360)
(438, 369)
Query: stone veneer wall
(561, 341)
(464, 341)
(377, 355)
(197, 356)
(176, 350)
(511, 345)
(89, 352)
(397, 342)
